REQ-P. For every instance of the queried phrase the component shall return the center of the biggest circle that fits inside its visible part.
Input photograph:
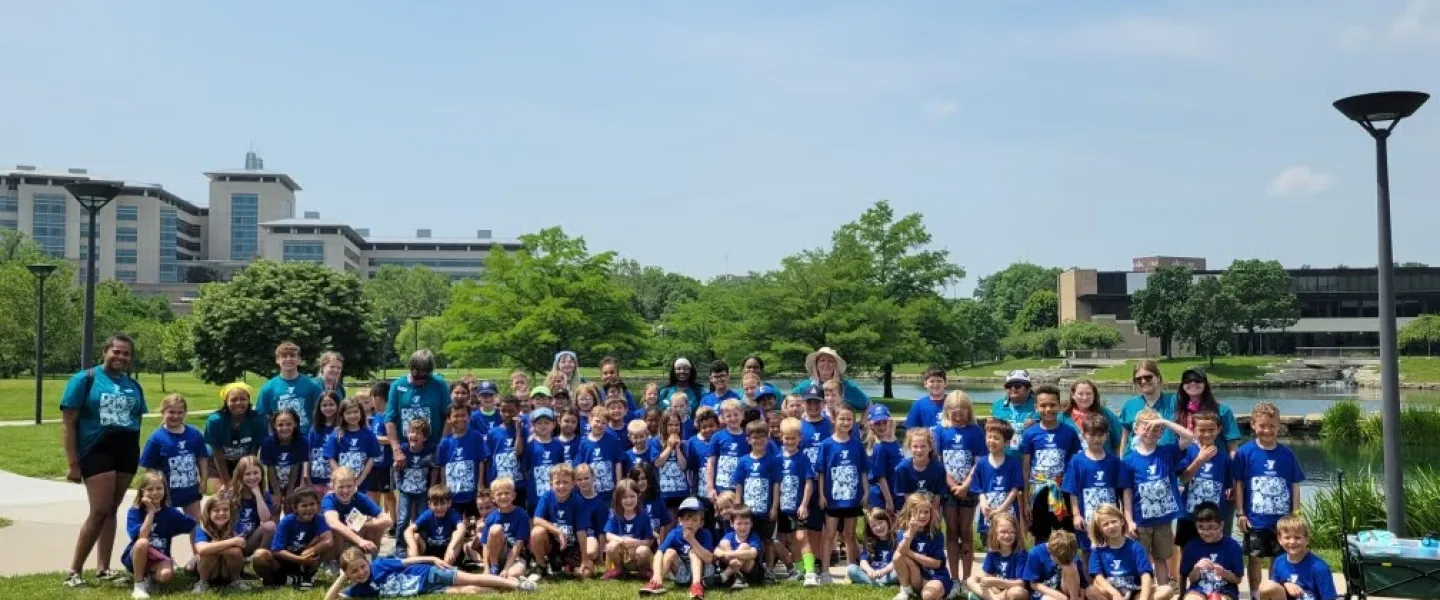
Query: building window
(126, 235)
(304, 252)
(127, 213)
(85, 250)
(48, 228)
(125, 276)
(169, 261)
(9, 204)
(126, 256)
(244, 226)
(9, 224)
(452, 263)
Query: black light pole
(92, 196)
(416, 322)
(1369, 110)
(41, 273)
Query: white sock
(909, 591)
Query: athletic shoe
(797, 575)
(780, 571)
(826, 579)
(110, 575)
(74, 580)
(533, 578)
(611, 575)
(200, 588)
(652, 589)
(697, 591)
(240, 585)
(812, 580)
(739, 583)
(307, 582)
(527, 585)
(901, 595)
(141, 591)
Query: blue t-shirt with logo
(293, 535)
(436, 530)
(930, 545)
(674, 481)
(753, 540)
(1226, 553)
(884, 458)
(726, 447)
(316, 440)
(504, 462)
(359, 503)
(714, 401)
(1049, 449)
(515, 524)
(636, 527)
(755, 480)
(909, 480)
(114, 404)
(795, 472)
(631, 456)
(247, 518)
(1122, 566)
(415, 477)
(1093, 483)
(567, 514)
(540, 457)
(843, 467)
(697, 460)
(994, 483)
(878, 554)
(924, 412)
(351, 449)
(1151, 478)
(960, 449)
(392, 578)
(1041, 569)
(1267, 476)
(676, 539)
(178, 456)
(603, 456)
(1210, 482)
(1311, 574)
(1005, 566)
(813, 434)
(459, 458)
(595, 511)
(655, 509)
(387, 456)
(300, 394)
(167, 523)
(284, 458)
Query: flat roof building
(162, 244)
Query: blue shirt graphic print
(247, 518)
(392, 578)
(1049, 449)
(601, 455)
(843, 467)
(1151, 478)
(795, 471)
(318, 438)
(756, 482)
(515, 524)
(542, 456)
(437, 529)
(1267, 476)
(1122, 566)
(299, 394)
(350, 449)
(931, 545)
(500, 447)
(1011, 566)
(568, 515)
(113, 404)
(1226, 553)
(960, 448)
(178, 456)
(284, 457)
(674, 482)
(697, 460)
(415, 477)
(813, 434)
(995, 483)
(727, 447)
(293, 535)
(1093, 482)
(167, 523)
(1210, 482)
(459, 458)
(1311, 575)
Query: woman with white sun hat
(825, 364)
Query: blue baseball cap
(486, 388)
(542, 413)
(765, 390)
(813, 392)
(879, 412)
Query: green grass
(1420, 369)
(46, 586)
(989, 369)
(1227, 368)
(37, 450)
(4, 522)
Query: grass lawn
(989, 369)
(47, 587)
(4, 522)
(38, 450)
(1420, 368)
(1227, 368)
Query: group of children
(748, 490)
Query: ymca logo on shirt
(1270, 465)
(1100, 476)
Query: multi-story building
(1339, 307)
(159, 243)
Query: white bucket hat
(826, 351)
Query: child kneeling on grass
(739, 552)
(219, 549)
(392, 578)
(152, 523)
(686, 554)
(439, 531)
(302, 540)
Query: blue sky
(693, 135)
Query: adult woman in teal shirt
(682, 379)
(1084, 401)
(1195, 397)
(825, 364)
(1148, 381)
(102, 408)
(233, 432)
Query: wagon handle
(1340, 491)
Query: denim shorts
(683, 576)
(438, 580)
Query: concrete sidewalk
(47, 515)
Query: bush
(1342, 422)
(1365, 506)
(1036, 344)
(1419, 425)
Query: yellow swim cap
(238, 385)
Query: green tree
(984, 330)
(1038, 344)
(1006, 291)
(1263, 289)
(177, 348)
(893, 257)
(1422, 332)
(1086, 335)
(17, 303)
(704, 328)
(957, 332)
(432, 335)
(120, 310)
(655, 290)
(318, 308)
(1212, 314)
(1160, 308)
(549, 296)
(1041, 311)
(399, 293)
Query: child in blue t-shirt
(997, 480)
(542, 454)
(178, 452)
(322, 426)
(757, 480)
(726, 448)
(739, 553)
(920, 555)
(841, 474)
(604, 453)
(697, 456)
(413, 481)
(1093, 479)
(672, 462)
(877, 551)
(1004, 566)
(1267, 488)
(152, 524)
(505, 536)
(595, 510)
(1051, 569)
(922, 472)
(284, 453)
(961, 444)
(461, 459)
(558, 529)
(628, 536)
(414, 576)
(885, 457)
(1299, 574)
(1118, 565)
(1148, 476)
(1206, 475)
(1212, 563)
(356, 519)
(685, 555)
(505, 445)
(353, 445)
(439, 531)
(301, 540)
(1045, 451)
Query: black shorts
(1185, 532)
(787, 524)
(284, 570)
(117, 451)
(844, 513)
(379, 480)
(765, 528)
(1261, 543)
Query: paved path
(47, 515)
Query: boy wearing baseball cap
(686, 554)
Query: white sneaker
(739, 583)
(528, 585)
(902, 595)
(74, 580)
(141, 591)
(533, 578)
(812, 580)
(200, 588)
(240, 585)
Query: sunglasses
(1144, 378)
(1015, 386)
(1190, 380)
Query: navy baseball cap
(813, 392)
(486, 388)
(765, 390)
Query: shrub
(1365, 506)
(1342, 422)
(1419, 425)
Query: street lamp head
(42, 271)
(1380, 107)
(94, 195)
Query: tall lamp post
(415, 322)
(1378, 113)
(41, 273)
(92, 196)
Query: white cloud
(1144, 35)
(1299, 181)
(1418, 22)
(941, 109)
